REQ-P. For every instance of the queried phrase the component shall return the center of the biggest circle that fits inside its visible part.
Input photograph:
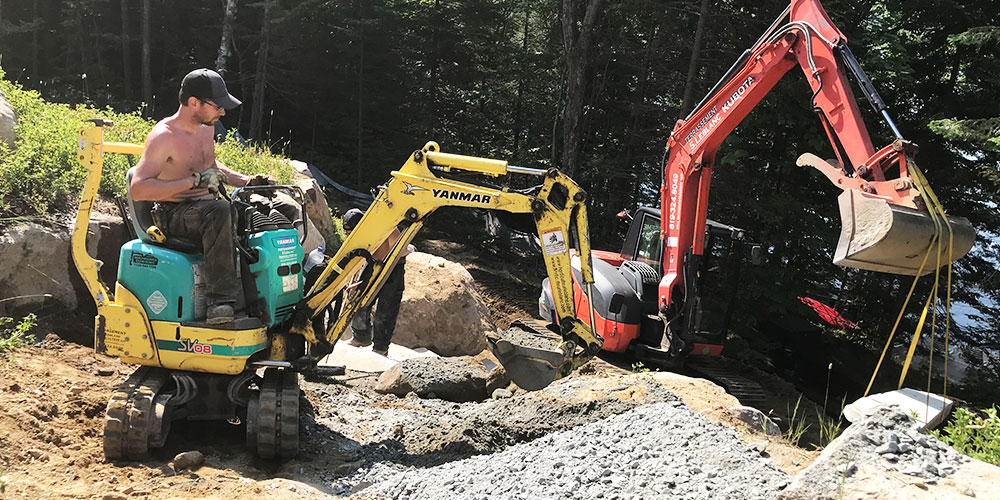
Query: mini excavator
(247, 370)
(646, 297)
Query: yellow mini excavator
(247, 371)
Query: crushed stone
(889, 439)
(656, 450)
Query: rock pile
(659, 450)
(887, 439)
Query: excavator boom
(886, 224)
(400, 208)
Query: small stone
(894, 438)
(502, 394)
(888, 447)
(114, 496)
(76, 390)
(931, 469)
(905, 448)
(188, 459)
(105, 372)
(969, 493)
(891, 457)
(850, 468)
(113, 480)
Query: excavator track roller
(881, 236)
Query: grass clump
(975, 435)
(18, 335)
(40, 174)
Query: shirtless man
(180, 172)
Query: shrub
(17, 336)
(974, 435)
(41, 174)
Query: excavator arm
(399, 211)
(886, 224)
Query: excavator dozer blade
(880, 236)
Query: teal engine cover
(277, 273)
(166, 281)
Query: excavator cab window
(650, 246)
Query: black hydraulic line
(845, 54)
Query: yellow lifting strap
(940, 220)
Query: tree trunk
(522, 75)
(34, 41)
(577, 37)
(126, 52)
(692, 73)
(227, 34)
(260, 77)
(361, 102)
(147, 77)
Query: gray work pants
(210, 223)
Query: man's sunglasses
(212, 104)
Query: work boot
(359, 342)
(220, 314)
(381, 352)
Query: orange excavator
(646, 297)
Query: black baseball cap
(352, 218)
(207, 85)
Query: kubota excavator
(247, 370)
(646, 297)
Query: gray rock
(889, 447)
(188, 460)
(755, 420)
(451, 379)
(8, 121)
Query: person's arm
(233, 178)
(145, 185)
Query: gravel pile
(887, 439)
(659, 450)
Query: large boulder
(440, 309)
(36, 262)
(8, 120)
(459, 379)
(317, 209)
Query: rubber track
(277, 420)
(127, 420)
(749, 392)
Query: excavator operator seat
(141, 217)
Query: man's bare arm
(145, 186)
(233, 178)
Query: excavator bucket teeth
(529, 367)
(880, 236)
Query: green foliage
(41, 174)
(19, 335)
(983, 132)
(829, 428)
(797, 425)
(973, 435)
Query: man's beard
(209, 122)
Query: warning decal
(156, 302)
(553, 242)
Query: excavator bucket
(880, 236)
(529, 353)
(529, 367)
